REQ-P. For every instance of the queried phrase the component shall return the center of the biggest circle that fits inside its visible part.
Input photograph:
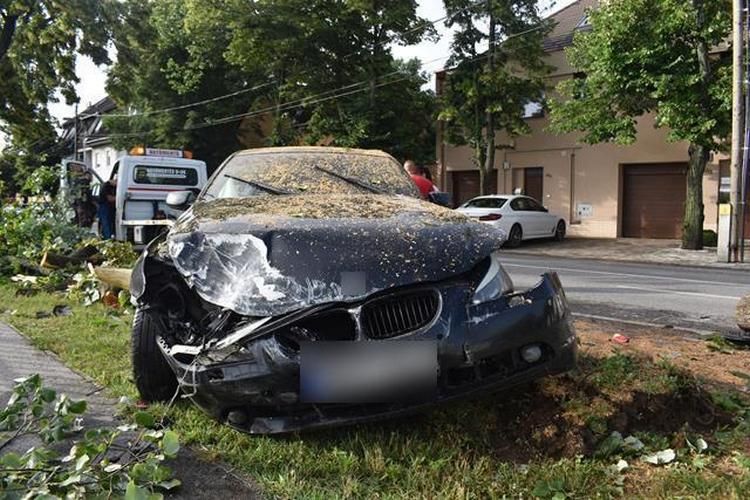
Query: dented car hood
(281, 253)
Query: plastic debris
(618, 338)
(620, 466)
(661, 457)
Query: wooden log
(116, 277)
(56, 261)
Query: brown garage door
(466, 185)
(653, 200)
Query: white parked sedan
(521, 217)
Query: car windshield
(485, 203)
(307, 172)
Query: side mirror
(440, 198)
(180, 200)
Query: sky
(93, 78)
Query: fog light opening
(531, 353)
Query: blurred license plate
(368, 372)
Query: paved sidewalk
(627, 250)
(200, 479)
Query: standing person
(80, 191)
(107, 203)
(424, 185)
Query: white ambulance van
(145, 177)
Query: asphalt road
(702, 299)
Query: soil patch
(659, 384)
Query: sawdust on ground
(685, 351)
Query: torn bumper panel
(255, 383)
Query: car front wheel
(153, 376)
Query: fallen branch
(116, 277)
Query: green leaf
(11, 460)
(135, 492)
(81, 462)
(47, 395)
(73, 479)
(77, 407)
(541, 489)
(170, 443)
(112, 468)
(171, 484)
(144, 419)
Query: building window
(534, 109)
(96, 160)
(108, 159)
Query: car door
(544, 223)
(520, 214)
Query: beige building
(602, 190)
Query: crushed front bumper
(255, 386)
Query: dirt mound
(616, 389)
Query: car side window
(517, 204)
(534, 205)
(486, 203)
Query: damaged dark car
(308, 287)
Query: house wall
(577, 173)
(595, 171)
(102, 159)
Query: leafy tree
(654, 56)
(297, 57)
(39, 40)
(23, 156)
(488, 88)
(170, 55)
(312, 48)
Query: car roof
(494, 196)
(315, 149)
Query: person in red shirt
(424, 185)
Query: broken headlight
(495, 283)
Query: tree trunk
(692, 225)
(6, 34)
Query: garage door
(466, 185)
(653, 200)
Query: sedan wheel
(515, 237)
(560, 231)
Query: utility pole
(489, 166)
(738, 76)
(75, 135)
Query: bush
(710, 238)
(27, 231)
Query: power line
(350, 89)
(260, 86)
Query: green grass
(531, 441)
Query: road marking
(662, 290)
(724, 283)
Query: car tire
(153, 376)
(560, 231)
(514, 237)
